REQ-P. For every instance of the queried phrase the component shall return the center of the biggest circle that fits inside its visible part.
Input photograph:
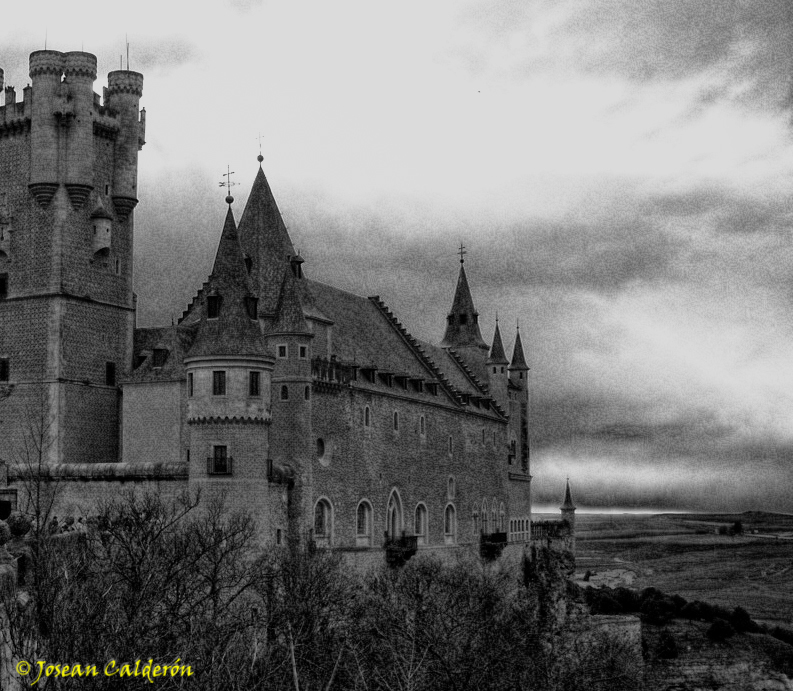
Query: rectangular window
(110, 373)
(218, 383)
(5, 369)
(422, 425)
(282, 352)
(254, 384)
(220, 462)
(303, 351)
(213, 306)
(190, 384)
(3, 286)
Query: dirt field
(685, 554)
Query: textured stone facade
(312, 408)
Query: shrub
(658, 611)
(782, 634)
(720, 630)
(742, 622)
(627, 598)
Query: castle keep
(311, 407)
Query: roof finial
(496, 317)
(228, 184)
(462, 253)
(260, 158)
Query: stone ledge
(104, 471)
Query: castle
(311, 407)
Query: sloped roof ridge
(289, 310)
(413, 344)
(497, 354)
(484, 388)
(467, 371)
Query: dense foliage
(152, 579)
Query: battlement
(124, 82)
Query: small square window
(282, 351)
(218, 383)
(254, 383)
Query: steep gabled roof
(289, 311)
(462, 327)
(497, 354)
(568, 498)
(518, 359)
(232, 332)
(266, 243)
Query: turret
(228, 385)
(77, 96)
(568, 512)
(123, 96)
(291, 431)
(48, 110)
(497, 374)
(519, 410)
(462, 326)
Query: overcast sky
(620, 172)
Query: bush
(658, 611)
(601, 602)
(679, 602)
(742, 622)
(627, 598)
(720, 630)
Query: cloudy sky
(620, 172)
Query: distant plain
(694, 556)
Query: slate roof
(457, 334)
(176, 339)
(518, 359)
(497, 354)
(233, 332)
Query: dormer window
(251, 302)
(159, 356)
(213, 306)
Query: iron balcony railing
(220, 466)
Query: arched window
(493, 516)
(502, 518)
(450, 488)
(393, 514)
(307, 393)
(485, 527)
(363, 524)
(422, 426)
(449, 524)
(284, 393)
(366, 417)
(421, 524)
(475, 517)
(323, 522)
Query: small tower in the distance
(568, 508)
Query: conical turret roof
(232, 332)
(289, 311)
(266, 242)
(518, 359)
(568, 498)
(462, 325)
(497, 354)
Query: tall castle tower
(68, 186)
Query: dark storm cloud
(726, 210)
(655, 40)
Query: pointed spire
(518, 359)
(289, 313)
(266, 242)
(568, 499)
(497, 354)
(462, 323)
(229, 329)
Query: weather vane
(228, 184)
(462, 253)
(260, 158)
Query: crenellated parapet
(124, 82)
